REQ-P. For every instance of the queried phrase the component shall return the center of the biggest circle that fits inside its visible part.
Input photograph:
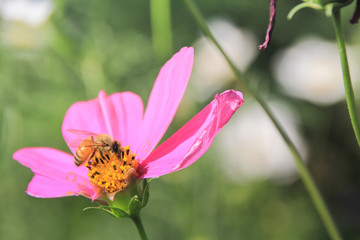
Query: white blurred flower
(211, 71)
(252, 148)
(31, 12)
(311, 70)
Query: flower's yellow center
(111, 171)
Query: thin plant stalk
(350, 99)
(307, 179)
(160, 13)
(139, 226)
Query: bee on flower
(120, 143)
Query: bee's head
(115, 147)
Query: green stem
(137, 221)
(303, 171)
(350, 99)
(161, 28)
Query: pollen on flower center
(111, 170)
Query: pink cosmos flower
(121, 116)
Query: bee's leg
(104, 156)
(92, 155)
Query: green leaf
(113, 211)
(134, 206)
(301, 6)
(102, 209)
(119, 212)
(145, 193)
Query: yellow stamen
(111, 170)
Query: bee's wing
(83, 135)
(75, 143)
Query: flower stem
(303, 171)
(139, 226)
(160, 14)
(350, 99)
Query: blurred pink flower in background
(121, 116)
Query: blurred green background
(79, 47)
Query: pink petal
(164, 100)
(190, 142)
(44, 187)
(55, 173)
(118, 115)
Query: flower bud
(128, 202)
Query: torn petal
(271, 25)
(191, 141)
